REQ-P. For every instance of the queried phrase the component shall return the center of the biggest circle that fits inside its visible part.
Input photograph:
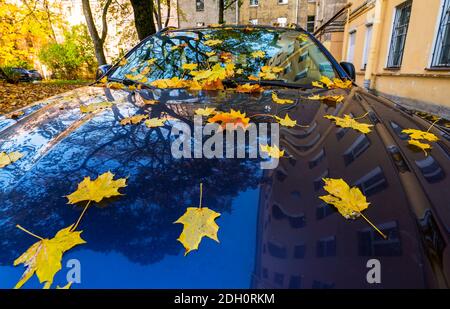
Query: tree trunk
(221, 11)
(96, 39)
(143, 17)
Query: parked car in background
(20, 75)
(35, 75)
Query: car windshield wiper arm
(129, 82)
(277, 83)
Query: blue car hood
(274, 230)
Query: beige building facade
(401, 49)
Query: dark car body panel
(274, 231)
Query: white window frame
(395, 17)
(282, 24)
(253, 21)
(367, 44)
(436, 51)
(351, 35)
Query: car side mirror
(349, 68)
(102, 70)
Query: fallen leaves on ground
(14, 96)
(349, 122)
(94, 107)
(277, 100)
(232, 119)
(96, 190)
(8, 158)
(44, 257)
(272, 151)
(133, 119)
(198, 222)
(350, 202)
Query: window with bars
(310, 23)
(400, 30)
(441, 54)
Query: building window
(254, 21)
(441, 54)
(254, 2)
(310, 23)
(351, 46)
(367, 46)
(373, 182)
(370, 243)
(356, 149)
(282, 21)
(277, 250)
(299, 251)
(400, 29)
(282, 1)
(326, 247)
(199, 5)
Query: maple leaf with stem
(327, 98)
(9, 158)
(277, 100)
(198, 222)
(349, 122)
(96, 190)
(417, 137)
(273, 152)
(331, 84)
(350, 202)
(44, 257)
(133, 119)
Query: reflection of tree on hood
(137, 224)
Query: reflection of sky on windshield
(228, 264)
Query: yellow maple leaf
(94, 107)
(133, 119)
(173, 82)
(317, 84)
(210, 54)
(104, 80)
(348, 201)
(96, 190)
(150, 102)
(258, 54)
(349, 122)
(115, 85)
(267, 75)
(303, 37)
(249, 88)
(273, 152)
(233, 117)
(198, 222)
(253, 77)
(189, 66)
(155, 122)
(419, 144)
(328, 98)
(8, 158)
(151, 61)
(217, 72)
(212, 42)
(418, 134)
(44, 257)
(286, 121)
(277, 100)
(205, 111)
(331, 84)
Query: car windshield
(253, 51)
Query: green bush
(72, 59)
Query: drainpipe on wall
(296, 12)
(374, 51)
(237, 12)
(346, 34)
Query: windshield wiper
(129, 82)
(266, 82)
